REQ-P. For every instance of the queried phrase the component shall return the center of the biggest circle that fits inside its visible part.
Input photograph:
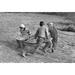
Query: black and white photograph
(37, 37)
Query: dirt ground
(9, 23)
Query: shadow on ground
(13, 45)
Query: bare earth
(9, 23)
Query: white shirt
(22, 36)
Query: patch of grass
(68, 28)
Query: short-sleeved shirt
(43, 31)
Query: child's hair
(41, 23)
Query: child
(22, 35)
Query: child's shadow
(13, 45)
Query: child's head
(22, 27)
(42, 23)
(50, 24)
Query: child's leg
(39, 42)
(18, 44)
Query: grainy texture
(9, 23)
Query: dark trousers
(54, 42)
(40, 41)
(48, 44)
(20, 43)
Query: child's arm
(29, 33)
(36, 34)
